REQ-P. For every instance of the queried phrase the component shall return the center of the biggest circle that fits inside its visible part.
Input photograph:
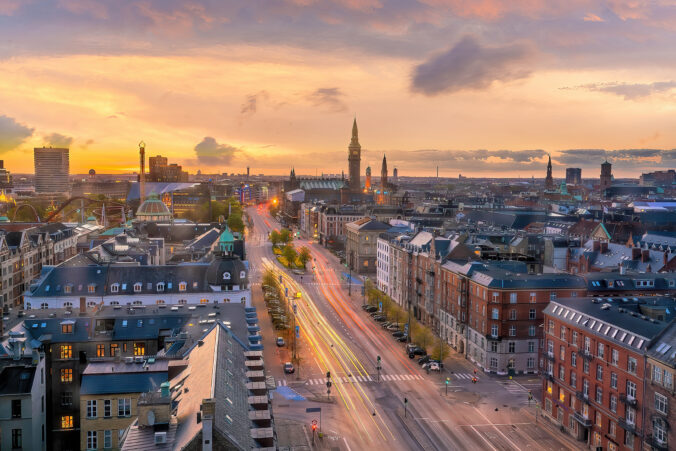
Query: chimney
(665, 261)
(596, 245)
(604, 247)
(645, 255)
(635, 253)
(208, 409)
(83, 306)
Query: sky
(480, 88)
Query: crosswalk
(356, 379)
(465, 376)
(281, 382)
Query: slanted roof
(103, 384)
(16, 380)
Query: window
(182, 286)
(67, 328)
(66, 398)
(530, 363)
(511, 347)
(91, 440)
(587, 344)
(563, 333)
(531, 346)
(494, 346)
(599, 395)
(631, 415)
(512, 298)
(533, 297)
(629, 439)
(124, 407)
(659, 431)
(574, 338)
(139, 348)
(16, 408)
(137, 287)
(573, 379)
(614, 356)
(114, 349)
(573, 359)
(631, 365)
(91, 409)
(631, 390)
(495, 314)
(494, 330)
(91, 288)
(562, 353)
(100, 350)
(531, 313)
(551, 327)
(613, 403)
(600, 350)
(668, 379)
(585, 388)
(107, 439)
(226, 275)
(512, 331)
(17, 441)
(107, 409)
(660, 403)
(562, 372)
(599, 373)
(531, 331)
(67, 422)
(613, 381)
(657, 374)
(512, 315)
(494, 362)
(66, 375)
(585, 367)
(115, 288)
(599, 419)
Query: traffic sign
(380, 307)
(297, 332)
(406, 328)
(295, 309)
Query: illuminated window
(66, 328)
(204, 301)
(68, 288)
(67, 422)
(66, 375)
(91, 288)
(66, 351)
(549, 387)
(139, 348)
(562, 396)
(160, 302)
(100, 350)
(114, 349)
(182, 286)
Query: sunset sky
(482, 87)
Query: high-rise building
(5, 177)
(354, 159)
(161, 171)
(51, 169)
(549, 180)
(573, 176)
(606, 176)
(395, 176)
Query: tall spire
(355, 132)
(383, 172)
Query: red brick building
(660, 396)
(595, 370)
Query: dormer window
(242, 274)
(91, 288)
(160, 287)
(137, 287)
(68, 288)
(182, 286)
(67, 327)
(115, 288)
(226, 275)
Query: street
(366, 408)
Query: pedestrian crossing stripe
(281, 383)
(366, 378)
(466, 376)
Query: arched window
(226, 275)
(182, 301)
(67, 305)
(44, 306)
(160, 287)
(138, 303)
(115, 288)
(114, 303)
(137, 287)
(160, 302)
(182, 286)
(204, 301)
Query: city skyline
(482, 90)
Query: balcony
(550, 377)
(550, 356)
(630, 427)
(586, 354)
(656, 444)
(586, 422)
(628, 400)
(582, 397)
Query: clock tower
(354, 159)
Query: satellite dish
(151, 418)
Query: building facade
(52, 168)
(361, 245)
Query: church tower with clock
(354, 160)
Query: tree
(235, 223)
(275, 238)
(440, 350)
(285, 236)
(304, 255)
(290, 254)
(422, 336)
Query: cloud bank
(12, 133)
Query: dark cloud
(619, 157)
(250, 105)
(629, 91)
(58, 140)
(328, 98)
(210, 152)
(469, 65)
(12, 133)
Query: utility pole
(405, 406)
(378, 367)
(328, 385)
(447, 381)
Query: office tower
(51, 169)
(573, 176)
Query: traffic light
(378, 359)
(474, 380)
(314, 427)
(447, 381)
(328, 374)
(474, 370)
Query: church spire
(383, 172)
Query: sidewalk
(553, 428)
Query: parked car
(365, 306)
(280, 341)
(385, 324)
(371, 309)
(380, 318)
(412, 352)
(424, 359)
(397, 334)
(288, 368)
(432, 366)
(403, 338)
(393, 326)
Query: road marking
(281, 383)
(484, 439)
(499, 431)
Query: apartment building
(660, 396)
(361, 244)
(594, 384)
